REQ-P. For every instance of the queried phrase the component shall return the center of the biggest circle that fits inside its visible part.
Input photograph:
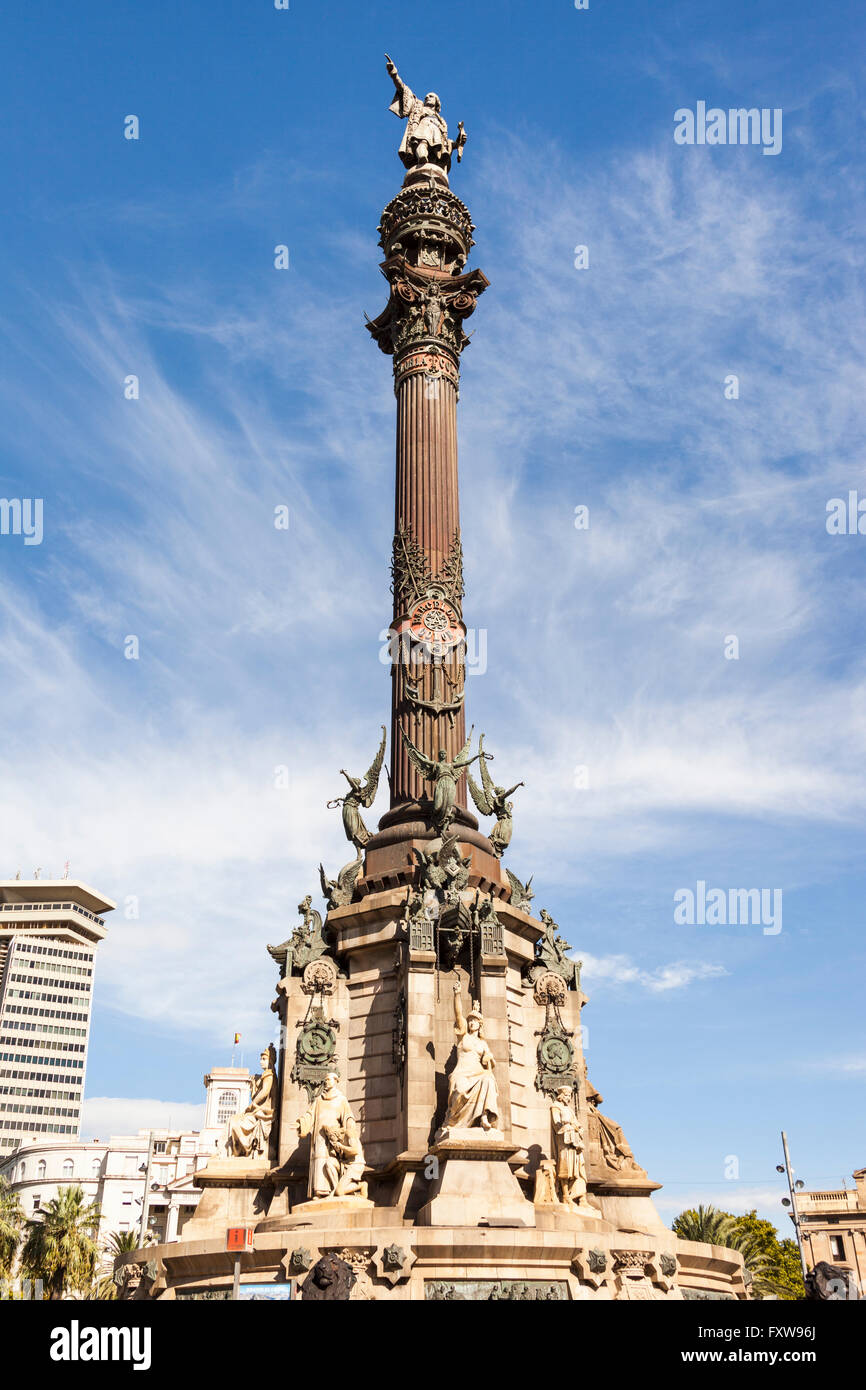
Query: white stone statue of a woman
(472, 1098)
(249, 1132)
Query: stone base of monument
(475, 1184)
(477, 1262)
(556, 1216)
(233, 1172)
(319, 1205)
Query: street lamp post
(145, 1202)
(791, 1201)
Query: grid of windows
(227, 1106)
(34, 948)
(53, 967)
(37, 1129)
(46, 998)
(40, 1062)
(45, 1002)
(15, 1024)
(49, 984)
(36, 1110)
(39, 1093)
(31, 1012)
(50, 907)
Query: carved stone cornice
(430, 225)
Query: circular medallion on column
(551, 989)
(320, 977)
(436, 622)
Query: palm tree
(714, 1227)
(60, 1246)
(706, 1224)
(118, 1243)
(11, 1221)
(121, 1243)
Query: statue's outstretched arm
(393, 73)
(459, 1020)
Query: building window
(837, 1247)
(96, 1167)
(22, 1171)
(37, 1202)
(40, 1168)
(67, 1168)
(227, 1106)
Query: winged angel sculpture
(493, 801)
(444, 774)
(443, 868)
(340, 890)
(362, 792)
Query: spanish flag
(237, 1038)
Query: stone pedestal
(319, 1206)
(475, 1185)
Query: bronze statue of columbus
(425, 139)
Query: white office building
(49, 932)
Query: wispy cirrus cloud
(260, 649)
(622, 970)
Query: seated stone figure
(249, 1132)
(472, 1094)
(613, 1146)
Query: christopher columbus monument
(426, 1128)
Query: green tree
(782, 1274)
(11, 1222)
(706, 1224)
(118, 1243)
(60, 1245)
(773, 1263)
(121, 1243)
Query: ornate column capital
(425, 312)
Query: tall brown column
(426, 234)
(427, 510)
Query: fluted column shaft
(427, 507)
(426, 234)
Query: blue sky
(601, 387)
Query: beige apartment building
(833, 1227)
(114, 1172)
